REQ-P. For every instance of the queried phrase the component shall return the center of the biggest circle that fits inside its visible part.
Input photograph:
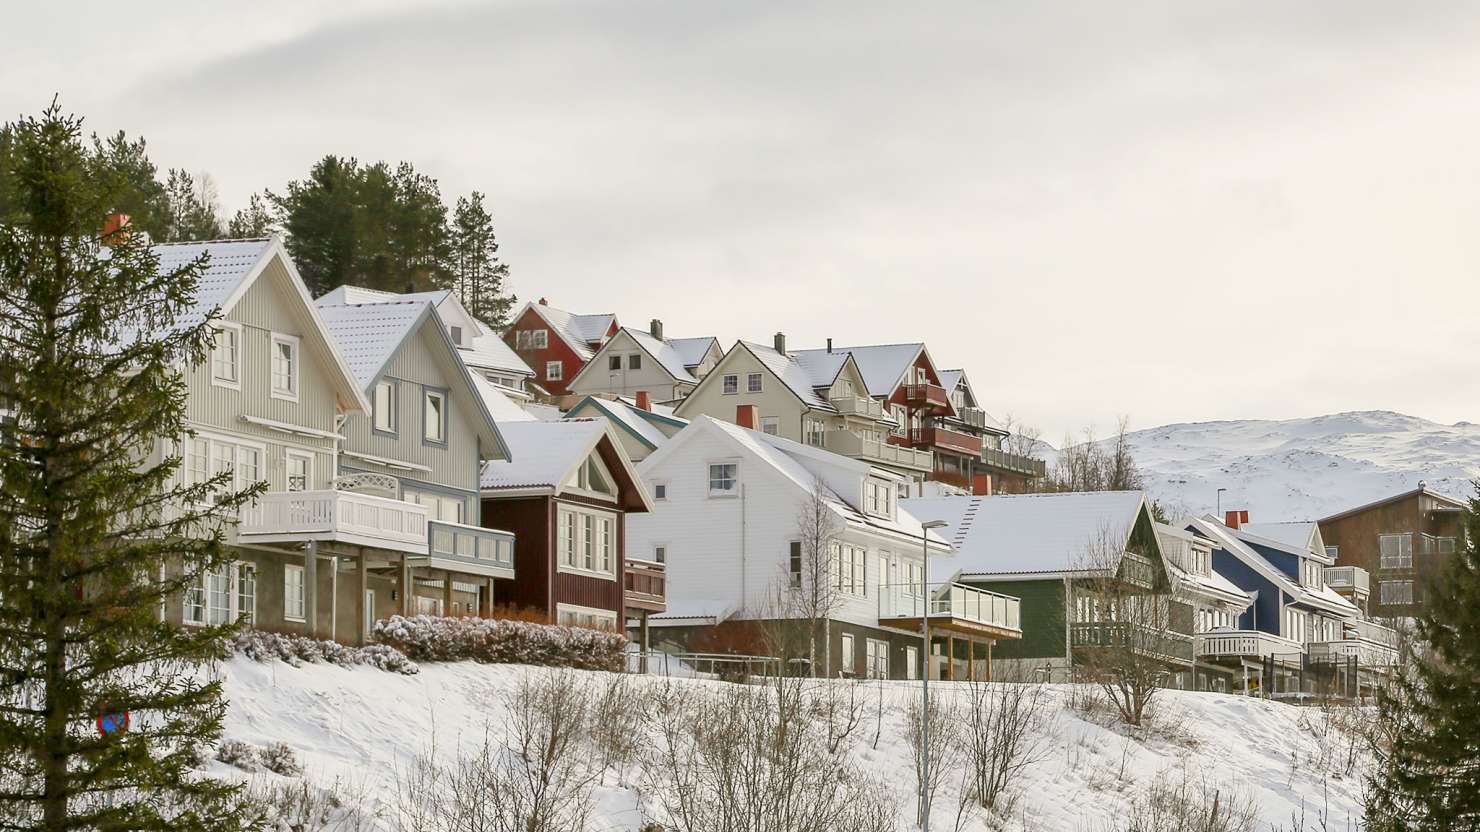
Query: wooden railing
(1015, 463)
(471, 545)
(858, 406)
(1245, 643)
(848, 443)
(929, 395)
(1150, 641)
(939, 437)
(646, 585)
(336, 515)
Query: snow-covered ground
(361, 726)
(1304, 469)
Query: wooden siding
(774, 400)
(649, 376)
(1356, 537)
(556, 350)
(414, 368)
(531, 521)
(1043, 617)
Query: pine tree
(480, 277)
(255, 220)
(96, 531)
(137, 191)
(1429, 721)
(192, 210)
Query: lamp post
(925, 672)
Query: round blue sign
(109, 724)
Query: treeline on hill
(382, 226)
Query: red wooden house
(556, 344)
(565, 492)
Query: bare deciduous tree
(1089, 464)
(815, 594)
(940, 745)
(1004, 732)
(1023, 440)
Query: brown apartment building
(1387, 550)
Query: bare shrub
(236, 753)
(279, 758)
(839, 707)
(751, 759)
(1004, 732)
(618, 714)
(939, 745)
(301, 806)
(1187, 804)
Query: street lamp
(925, 672)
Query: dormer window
(878, 498)
(456, 334)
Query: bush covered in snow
(497, 641)
(295, 650)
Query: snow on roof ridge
(266, 239)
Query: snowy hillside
(1304, 469)
(362, 728)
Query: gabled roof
(801, 466)
(622, 416)
(1182, 575)
(1015, 535)
(484, 349)
(677, 356)
(360, 294)
(547, 454)
(1229, 541)
(372, 333)
(577, 331)
(233, 267)
(487, 351)
(502, 408)
(660, 413)
(1300, 536)
(1421, 490)
(797, 378)
(883, 366)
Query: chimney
(115, 229)
(780, 342)
(1234, 519)
(644, 400)
(747, 416)
(655, 328)
(829, 346)
(544, 302)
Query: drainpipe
(743, 576)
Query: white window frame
(734, 479)
(290, 602)
(876, 658)
(753, 383)
(554, 371)
(849, 564)
(660, 553)
(911, 662)
(235, 331)
(660, 491)
(389, 410)
(203, 447)
(1388, 594)
(591, 540)
(729, 384)
(199, 597)
(574, 615)
(295, 368)
(1398, 559)
(289, 455)
(814, 429)
(540, 338)
(427, 394)
(849, 648)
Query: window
(794, 565)
(660, 553)
(300, 471)
(1395, 592)
(1294, 625)
(223, 595)
(911, 662)
(771, 425)
(634, 361)
(1396, 551)
(554, 371)
(586, 541)
(731, 385)
(850, 568)
(293, 598)
(901, 419)
(428, 606)
(540, 338)
(442, 507)
(722, 479)
(850, 655)
(878, 498)
(753, 383)
(1333, 552)
(592, 619)
(284, 367)
(226, 356)
(532, 339)
(614, 362)
(813, 431)
(456, 334)
(876, 659)
(434, 416)
(592, 477)
(208, 456)
(246, 592)
(660, 491)
(384, 407)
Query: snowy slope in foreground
(362, 725)
(1304, 469)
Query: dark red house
(556, 344)
(565, 493)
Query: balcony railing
(927, 396)
(1013, 463)
(946, 439)
(646, 585)
(950, 603)
(1432, 545)
(472, 549)
(848, 443)
(1246, 644)
(1148, 641)
(1373, 632)
(1366, 653)
(361, 519)
(974, 416)
(858, 406)
(1349, 578)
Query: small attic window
(456, 334)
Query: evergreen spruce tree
(480, 277)
(1428, 732)
(255, 220)
(192, 210)
(97, 533)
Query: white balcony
(1367, 654)
(848, 443)
(1247, 644)
(1353, 579)
(864, 406)
(343, 516)
(952, 606)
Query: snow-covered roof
(682, 612)
(1020, 534)
(661, 411)
(673, 354)
(1229, 541)
(793, 374)
(821, 366)
(578, 331)
(950, 378)
(1296, 534)
(360, 294)
(369, 334)
(486, 350)
(883, 365)
(1176, 544)
(692, 350)
(545, 453)
(1422, 489)
(500, 406)
(623, 416)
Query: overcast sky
(1176, 212)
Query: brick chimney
(779, 342)
(115, 229)
(1234, 519)
(829, 346)
(644, 400)
(544, 302)
(748, 416)
(655, 328)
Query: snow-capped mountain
(1304, 469)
